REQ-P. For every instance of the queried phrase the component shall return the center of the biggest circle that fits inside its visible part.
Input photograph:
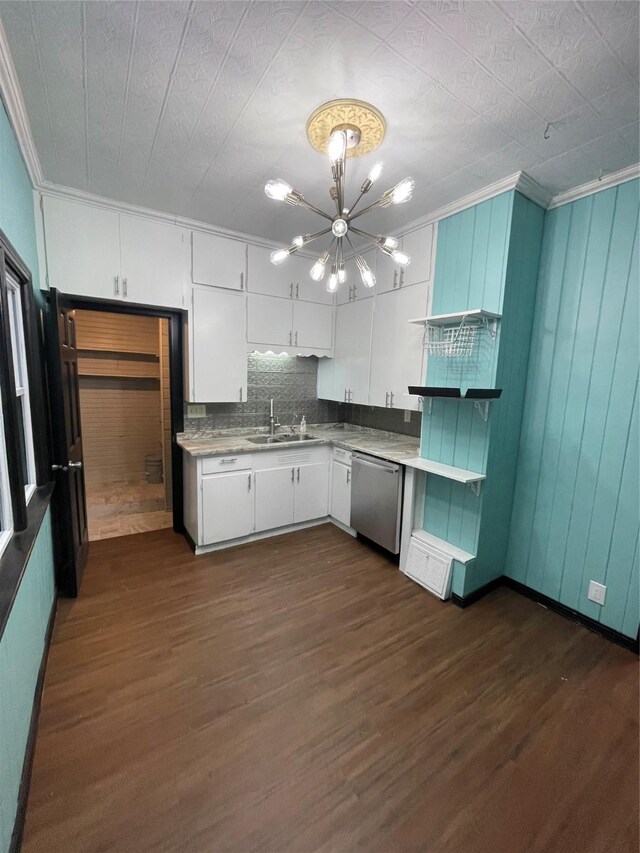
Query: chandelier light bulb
(278, 190)
(298, 241)
(375, 173)
(317, 270)
(400, 258)
(342, 273)
(402, 192)
(278, 256)
(368, 278)
(388, 242)
(337, 147)
(333, 281)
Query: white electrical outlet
(407, 416)
(196, 410)
(597, 592)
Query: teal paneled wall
(16, 199)
(511, 375)
(22, 642)
(471, 264)
(575, 511)
(20, 655)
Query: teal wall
(22, 642)
(575, 509)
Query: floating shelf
(454, 393)
(460, 475)
(456, 317)
(458, 554)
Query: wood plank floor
(300, 694)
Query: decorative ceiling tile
(190, 107)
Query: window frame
(29, 347)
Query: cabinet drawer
(341, 455)
(218, 464)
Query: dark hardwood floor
(301, 694)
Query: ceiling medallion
(364, 124)
(340, 128)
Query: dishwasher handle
(381, 464)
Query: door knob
(59, 468)
(75, 464)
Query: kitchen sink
(279, 439)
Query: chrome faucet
(274, 423)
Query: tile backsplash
(291, 381)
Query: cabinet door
(353, 289)
(218, 261)
(352, 350)
(274, 498)
(387, 274)
(218, 346)
(227, 506)
(269, 320)
(312, 325)
(418, 244)
(303, 287)
(340, 503)
(311, 491)
(83, 248)
(153, 261)
(263, 277)
(396, 348)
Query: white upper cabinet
(312, 325)
(218, 261)
(419, 245)
(269, 320)
(387, 274)
(396, 348)
(353, 289)
(352, 352)
(93, 251)
(264, 277)
(153, 261)
(218, 330)
(289, 280)
(82, 248)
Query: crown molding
(11, 95)
(603, 183)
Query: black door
(69, 497)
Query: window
(23, 403)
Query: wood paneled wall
(575, 510)
(165, 395)
(120, 398)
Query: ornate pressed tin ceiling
(188, 107)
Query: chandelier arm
(355, 204)
(315, 209)
(315, 236)
(364, 210)
(366, 235)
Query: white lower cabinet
(274, 498)
(311, 492)
(227, 506)
(340, 503)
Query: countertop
(385, 445)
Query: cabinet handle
(353, 298)
(290, 338)
(241, 393)
(116, 285)
(228, 461)
(395, 278)
(391, 399)
(241, 281)
(249, 483)
(348, 475)
(345, 395)
(291, 291)
(296, 340)
(124, 287)
(401, 277)
(293, 473)
(386, 399)
(350, 393)
(297, 290)
(298, 475)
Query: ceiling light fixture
(343, 129)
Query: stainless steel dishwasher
(376, 499)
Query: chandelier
(344, 129)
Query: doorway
(125, 412)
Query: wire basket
(451, 341)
